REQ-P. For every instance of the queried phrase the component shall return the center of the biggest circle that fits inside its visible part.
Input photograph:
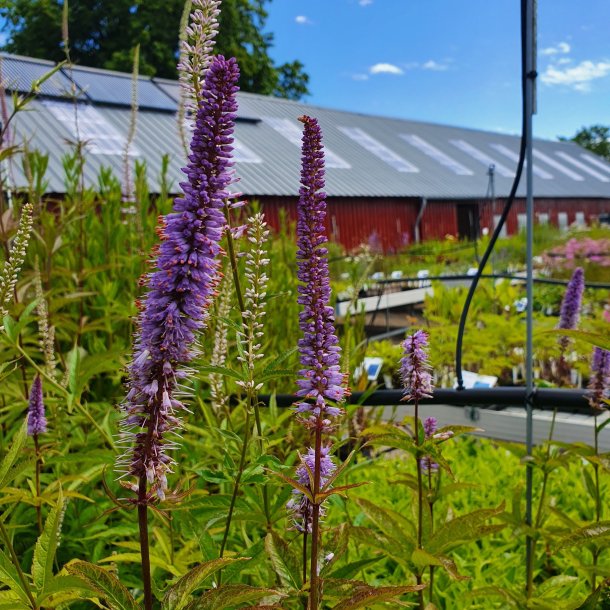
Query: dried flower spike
(37, 422)
(181, 288)
(415, 368)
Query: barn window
(580, 219)
(102, 137)
(438, 155)
(543, 218)
(562, 220)
(521, 222)
(378, 149)
(482, 157)
(497, 222)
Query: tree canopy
(595, 138)
(102, 34)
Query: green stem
(144, 543)
(37, 483)
(240, 471)
(598, 504)
(314, 587)
(420, 499)
(15, 561)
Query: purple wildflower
(414, 367)
(37, 422)
(321, 376)
(181, 287)
(427, 463)
(299, 505)
(570, 306)
(600, 377)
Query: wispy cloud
(302, 20)
(577, 77)
(360, 76)
(560, 49)
(434, 65)
(365, 2)
(383, 68)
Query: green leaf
(229, 596)
(595, 600)
(389, 522)
(8, 468)
(274, 363)
(350, 570)
(221, 370)
(105, 584)
(466, 528)
(512, 600)
(179, 594)
(554, 583)
(588, 533)
(62, 589)
(10, 577)
(423, 559)
(46, 546)
(363, 595)
(155, 560)
(591, 338)
(284, 561)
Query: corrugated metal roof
(444, 162)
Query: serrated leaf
(485, 592)
(600, 594)
(12, 456)
(228, 596)
(285, 564)
(554, 583)
(178, 595)
(350, 570)
(61, 588)
(46, 546)
(155, 560)
(10, 578)
(389, 522)
(466, 528)
(105, 584)
(588, 533)
(588, 337)
(221, 370)
(365, 595)
(304, 490)
(273, 364)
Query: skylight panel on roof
(100, 136)
(580, 165)
(558, 166)
(513, 156)
(438, 155)
(378, 149)
(244, 154)
(481, 157)
(290, 130)
(597, 162)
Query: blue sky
(450, 61)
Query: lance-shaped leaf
(105, 584)
(302, 488)
(364, 596)
(284, 560)
(598, 597)
(178, 595)
(10, 578)
(423, 559)
(46, 546)
(10, 464)
(512, 600)
(467, 528)
(62, 589)
(589, 533)
(230, 596)
(389, 522)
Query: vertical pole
(530, 66)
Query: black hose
(503, 217)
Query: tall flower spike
(45, 331)
(321, 377)
(37, 422)
(12, 266)
(415, 368)
(570, 305)
(427, 463)
(180, 290)
(599, 384)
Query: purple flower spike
(600, 378)
(321, 377)
(299, 505)
(570, 306)
(414, 367)
(181, 287)
(427, 463)
(37, 422)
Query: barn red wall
(384, 223)
(388, 223)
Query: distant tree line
(595, 138)
(102, 34)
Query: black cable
(505, 212)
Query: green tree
(103, 33)
(595, 138)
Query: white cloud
(365, 2)
(561, 49)
(360, 76)
(577, 77)
(562, 61)
(383, 68)
(302, 20)
(433, 65)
